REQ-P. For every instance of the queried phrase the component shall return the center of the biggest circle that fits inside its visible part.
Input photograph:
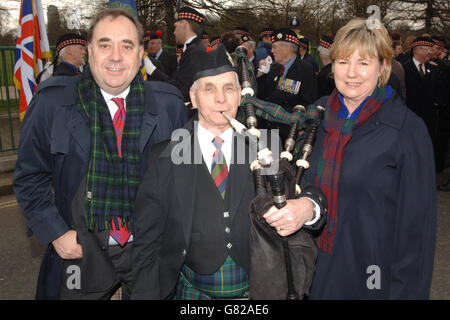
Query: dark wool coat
(183, 77)
(385, 238)
(54, 153)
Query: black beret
(69, 39)
(285, 35)
(211, 62)
(422, 41)
(326, 41)
(187, 13)
(214, 41)
(266, 32)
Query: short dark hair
(195, 26)
(114, 13)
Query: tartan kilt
(230, 281)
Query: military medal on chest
(289, 85)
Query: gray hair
(251, 44)
(324, 52)
(61, 54)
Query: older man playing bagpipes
(195, 237)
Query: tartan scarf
(275, 113)
(111, 181)
(338, 134)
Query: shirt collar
(108, 96)
(187, 42)
(159, 53)
(288, 64)
(70, 65)
(206, 135)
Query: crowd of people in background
(97, 138)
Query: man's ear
(192, 94)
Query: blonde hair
(371, 42)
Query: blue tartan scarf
(111, 181)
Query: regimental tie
(421, 69)
(219, 169)
(281, 70)
(122, 234)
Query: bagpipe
(281, 267)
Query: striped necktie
(219, 169)
(421, 70)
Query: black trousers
(121, 260)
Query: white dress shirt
(187, 42)
(417, 66)
(207, 148)
(112, 106)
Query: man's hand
(67, 246)
(291, 217)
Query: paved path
(21, 256)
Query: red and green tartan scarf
(338, 134)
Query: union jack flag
(31, 47)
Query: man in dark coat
(264, 47)
(290, 81)
(76, 177)
(193, 232)
(69, 59)
(71, 53)
(303, 51)
(154, 48)
(325, 81)
(421, 83)
(188, 24)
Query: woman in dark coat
(373, 159)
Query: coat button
(184, 252)
(227, 230)
(104, 247)
(226, 214)
(229, 245)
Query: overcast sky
(14, 8)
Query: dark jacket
(169, 61)
(183, 77)
(166, 211)
(54, 153)
(386, 210)
(300, 71)
(421, 96)
(325, 81)
(64, 69)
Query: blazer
(301, 71)
(421, 93)
(54, 153)
(183, 76)
(169, 61)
